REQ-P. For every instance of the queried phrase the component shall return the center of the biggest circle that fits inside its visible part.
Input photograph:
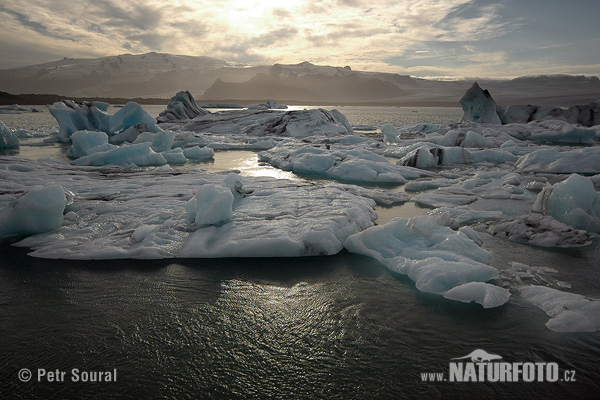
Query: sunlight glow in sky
(425, 38)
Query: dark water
(325, 327)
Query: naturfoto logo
(481, 366)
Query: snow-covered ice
(568, 312)
(120, 213)
(573, 201)
(437, 258)
(7, 138)
(38, 210)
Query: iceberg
(212, 205)
(118, 213)
(489, 296)
(93, 116)
(182, 106)
(343, 165)
(437, 258)
(38, 210)
(573, 201)
(586, 115)
(260, 122)
(478, 106)
(539, 230)
(554, 161)
(568, 312)
(139, 154)
(7, 138)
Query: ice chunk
(129, 115)
(586, 115)
(175, 156)
(390, 133)
(354, 165)
(199, 153)
(299, 123)
(446, 197)
(474, 139)
(88, 142)
(435, 257)
(39, 210)
(7, 138)
(573, 201)
(568, 312)
(73, 117)
(161, 141)
(489, 296)
(463, 215)
(139, 154)
(539, 230)
(478, 106)
(582, 161)
(182, 106)
(212, 205)
(92, 116)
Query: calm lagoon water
(321, 327)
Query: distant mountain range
(158, 75)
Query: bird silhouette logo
(480, 356)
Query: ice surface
(489, 296)
(7, 138)
(273, 123)
(478, 106)
(85, 143)
(119, 213)
(446, 197)
(568, 312)
(182, 106)
(539, 230)
(435, 257)
(92, 116)
(38, 210)
(586, 115)
(212, 205)
(199, 153)
(345, 165)
(140, 154)
(573, 201)
(581, 161)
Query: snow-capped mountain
(160, 75)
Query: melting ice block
(478, 106)
(573, 201)
(182, 106)
(489, 296)
(39, 210)
(118, 213)
(568, 312)
(435, 257)
(7, 138)
(212, 205)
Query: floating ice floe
(273, 123)
(120, 213)
(586, 115)
(568, 312)
(38, 210)
(478, 106)
(7, 138)
(446, 197)
(573, 201)
(554, 161)
(93, 116)
(182, 106)
(437, 258)
(17, 109)
(539, 230)
(356, 165)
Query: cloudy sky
(424, 38)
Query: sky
(447, 39)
